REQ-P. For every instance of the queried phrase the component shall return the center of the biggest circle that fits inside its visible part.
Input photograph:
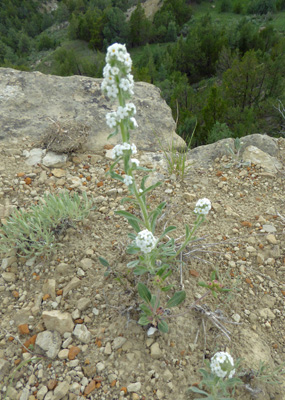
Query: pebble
(134, 387)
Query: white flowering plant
(219, 381)
(156, 253)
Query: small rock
(86, 263)
(108, 349)
(52, 384)
(52, 159)
(134, 387)
(155, 351)
(271, 239)
(89, 388)
(58, 321)
(61, 390)
(82, 333)
(118, 342)
(49, 288)
(4, 368)
(269, 228)
(42, 392)
(48, 343)
(73, 284)
(9, 277)
(83, 303)
(63, 354)
(73, 351)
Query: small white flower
(140, 191)
(135, 161)
(112, 91)
(128, 180)
(124, 84)
(133, 123)
(222, 365)
(111, 119)
(114, 70)
(145, 241)
(134, 148)
(117, 151)
(203, 206)
(126, 146)
(121, 113)
(131, 108)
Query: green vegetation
(219, 64)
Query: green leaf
(144, 292)
(133, 264)
(145, 309)
(166, 288)
(116, 176)
(162, 326)
(196, 390)
(144, 320)
(150, 188)
(128, 216)
(104, 262)
(187, 229)
(140, 271)
(176, 299)
(167, 230)
(132, 250)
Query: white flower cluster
(115, 117)
(145, 241)
(116, 73)
(222, 365)
(203, 206)
(128, 180)
(117, 151)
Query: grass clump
(34, 232)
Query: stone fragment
(271, 239)
(9, 277)
(25, 394)
(73, 284)
(4, 368)
(83, 303)
(269, 228)
(118, 342)
(134, 387)
(52, 384)
(86, 263)
(82, 333)
(23, 329)
(63, 354)
(155, 351)
(254, 155)
(89, 388)
(108, 349)
(34, 156)
(266, 313)
(49, 288)
(42, 392)
(73, 352)
(52, 159)
(61, 390)
(48, 343)
(58, 321)
(58, 172)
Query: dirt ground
(243, 239)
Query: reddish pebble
(89, 388)
(23, 329)
(73, 351)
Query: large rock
(33, 104)
(205, 155)
(58, 321)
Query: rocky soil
(82, 326)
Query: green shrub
(218, 132)
(225, 6)
(261, 7)
(35, 232)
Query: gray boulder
(68, 113)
